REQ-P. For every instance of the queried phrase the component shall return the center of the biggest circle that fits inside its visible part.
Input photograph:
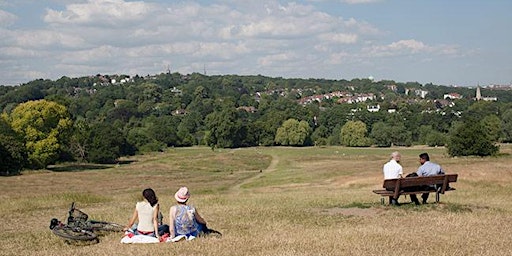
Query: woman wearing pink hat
(185, 220)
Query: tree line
(98, 119)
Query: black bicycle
(79, 228)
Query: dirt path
(270, 168)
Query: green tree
(353, 134)
(435, 139)
(293, 133)
(107, 144)
(141, 139)
(492, 125)
(224, 128)
(470, 137)
(320, 136)
(78, 143)
(163, 129)
(382, 134)
(45, 126)
(506, 125)
(122, 110)
(12, 150)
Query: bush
(470, 138)
(435, 138)
(12, 153)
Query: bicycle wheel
(94, 225)
(74, 233)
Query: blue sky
(456, 42)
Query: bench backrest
(444, 179)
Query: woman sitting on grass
(146, 213)
(186, 222)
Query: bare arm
(172, 214)
(155, 219)
(199, 218)
(135, 216)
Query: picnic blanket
(139, 239)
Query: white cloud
(408, 47)
(337, 58)
(341, 38)
(7, 18)
(101, 12)
(46, 38)
(271, 60)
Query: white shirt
(145, 213)
(392, 170)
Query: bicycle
(79, 228)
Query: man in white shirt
(393, 170)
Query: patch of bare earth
(352, 211)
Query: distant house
(452, 96)
(249, 109)
(421, 93)
(392, 87)
(179, 112)
(358, 98)
(175, 90)
(373, 108)
(440, 104)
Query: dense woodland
(98, 119)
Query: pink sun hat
(182, 195)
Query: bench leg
(382, 200)
(437, 197)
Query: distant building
(373, 108)
(421, 93)
(452, 96)
(249, 109)
(478, 96)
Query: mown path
(270, 168)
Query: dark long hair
(150, 195)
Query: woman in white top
(146, 213)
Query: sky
(456, 42)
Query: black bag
(415, 188)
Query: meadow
(269, 201)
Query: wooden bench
(438, 184)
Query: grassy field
(270, 201)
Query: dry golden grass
(270, 201)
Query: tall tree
(224, 128)
(470, 137)
(107, 144)
(44, 125)
(506, 125)
(353, 134)
(12, 150)
(293, 133)
(382, 134)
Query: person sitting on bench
(427, 168)
(393, 170)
